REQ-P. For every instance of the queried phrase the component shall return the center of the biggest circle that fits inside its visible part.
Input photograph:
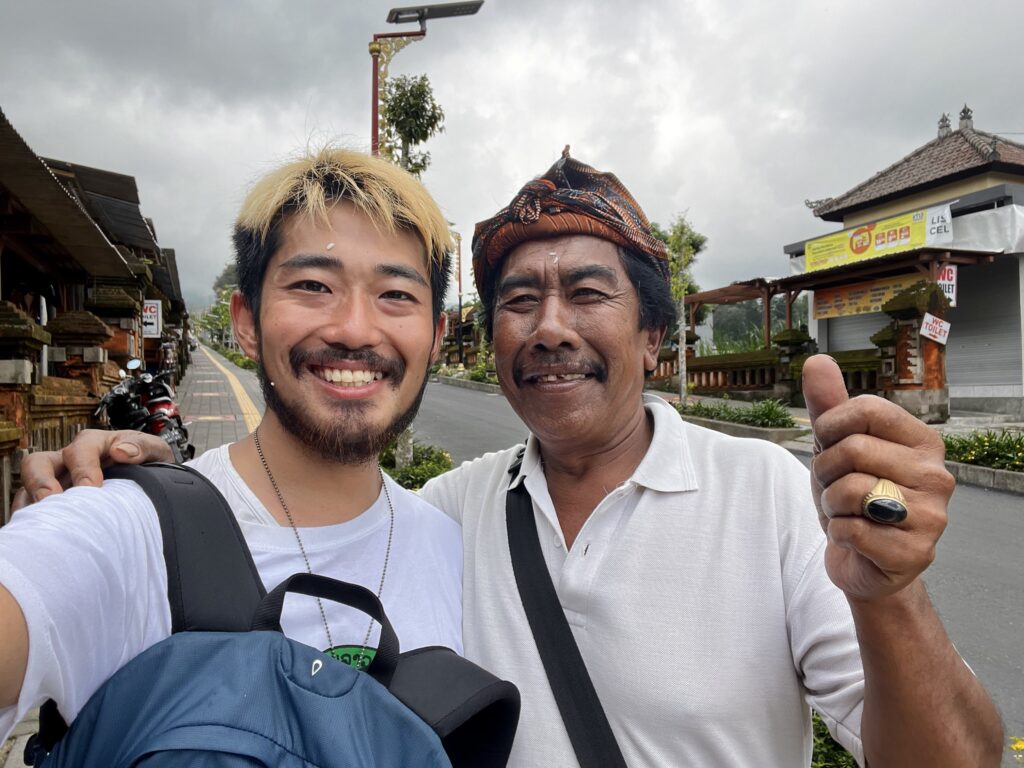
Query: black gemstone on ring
(888, 511)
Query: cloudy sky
(733, 112)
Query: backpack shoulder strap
(212, 582)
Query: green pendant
(355, 656)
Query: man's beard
(333, 439)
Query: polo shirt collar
(667, 467)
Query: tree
(216, 320)
(684, 243)
(410, 117)
(740, 327)
(228, 278)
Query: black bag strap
(585, 721)
(212, 582)
(268, 615)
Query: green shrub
(427, 461)
(236, 357)
(764, 413)
(828, 753)
(479, 373)
(769, 413)
(997, 450)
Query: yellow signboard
(859, 298)
(917, 229)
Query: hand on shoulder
(81, 462)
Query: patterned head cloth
(570, 199)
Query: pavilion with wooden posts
(919, 297)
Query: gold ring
(885, 503)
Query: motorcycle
(146, 403)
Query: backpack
(227, 689)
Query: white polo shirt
(696, 592)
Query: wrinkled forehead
(562, 254)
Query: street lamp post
(458, 268)
(385, 45)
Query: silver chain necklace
(360, 659)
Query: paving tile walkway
(215, 402)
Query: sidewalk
(213, 403)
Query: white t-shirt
(696, 592)
(87, 569)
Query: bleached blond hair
(310, 185)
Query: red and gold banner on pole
(917, 229)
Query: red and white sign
(152, 318)
(934, 328)
(947, 282)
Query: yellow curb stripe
(249, 411)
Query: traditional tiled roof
(113, 200)
(27, 177)
(952, 155)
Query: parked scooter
(146, 403)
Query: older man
(707, 604)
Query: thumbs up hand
(857, 442)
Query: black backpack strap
(585, 721)
(212, 582)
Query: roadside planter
(479, 386)
(986, 477)
(771, 434)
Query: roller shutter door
(984, 346)
(855, 332)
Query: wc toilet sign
(947, 282)
(934, 328)
(152, 318)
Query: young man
(343, 266)
(707, 602)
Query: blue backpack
(227, 689)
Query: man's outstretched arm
(13, 649)
(922, 705)
(82, 461)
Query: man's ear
(244, 323)
(653, 337)
(442, 326)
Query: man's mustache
(559, 361)
(299, 358)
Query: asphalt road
(467, 423)
(976, 582)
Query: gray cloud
(733, 112)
